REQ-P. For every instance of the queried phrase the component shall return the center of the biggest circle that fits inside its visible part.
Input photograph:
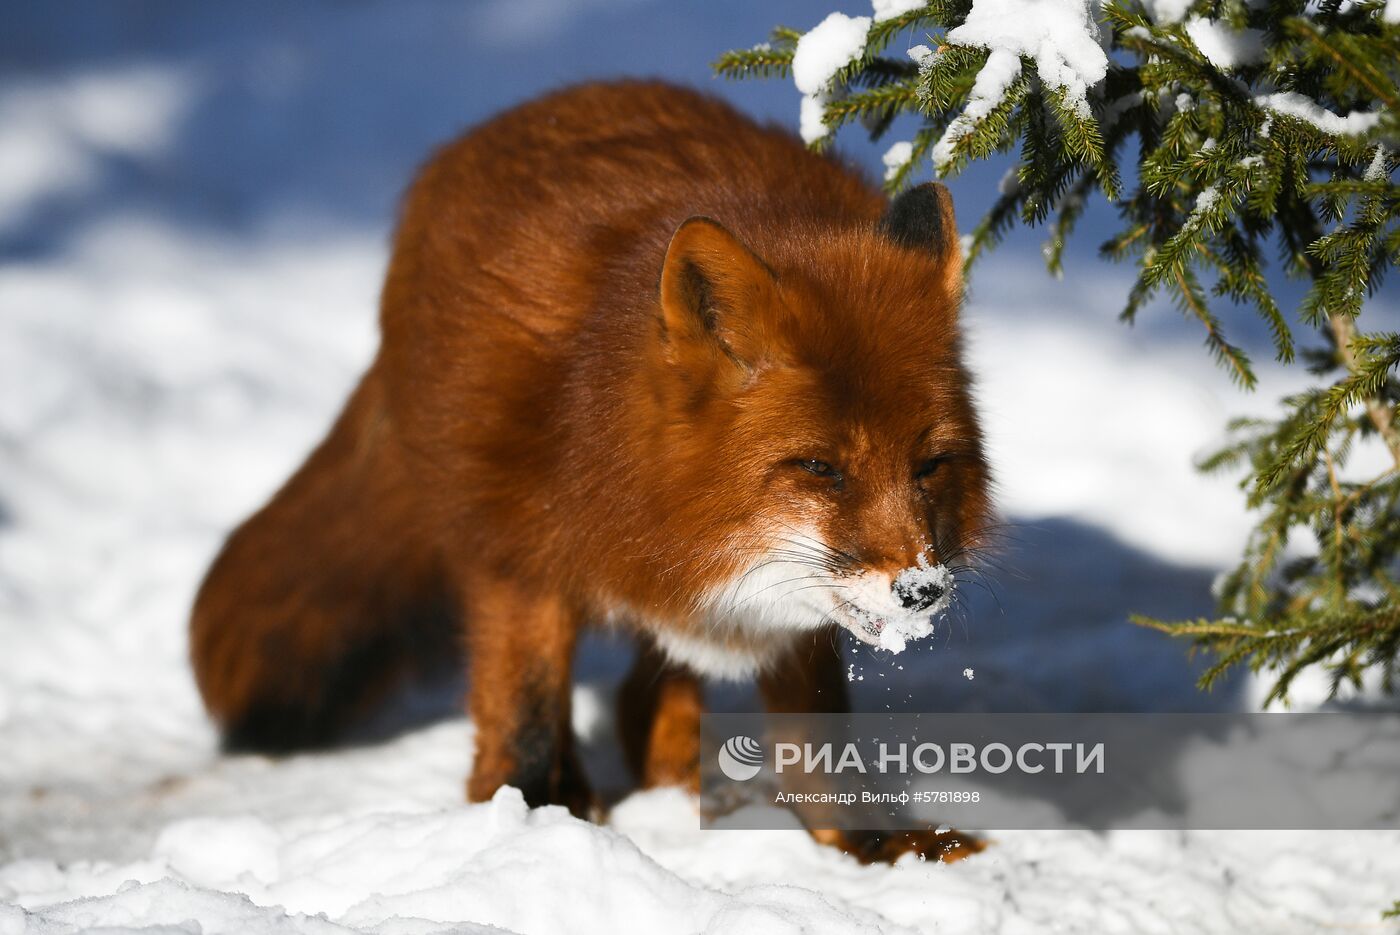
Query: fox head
(821, 445)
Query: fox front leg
(521, 647)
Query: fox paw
(885, 847)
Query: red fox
(646, 363)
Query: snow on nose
(917, 596)
(924, 588)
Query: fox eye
(929, 467)
(819, 468)
(823, 469)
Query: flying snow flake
(1223, 47)
(968, 673)
(1293, 104)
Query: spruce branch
(1209, 166)
(1367, 371)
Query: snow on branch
(1061, 36)
(1293, 104)
(996, 77)
(1223, 47)
(821, 53)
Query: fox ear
(921, 218)
(713, 291)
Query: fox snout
(917, 596)
(887, 610)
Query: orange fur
(637, 354)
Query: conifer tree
(1228, 135)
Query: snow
(828, 47)
(1166, 12)
(889, 9)
(1061, 36)
(412, 872)
(166, 360)
(897, 157)
(993, 80)
(1376, 171)
(54, 136)
(810, 117)
(226, 360)
(921, 54)
(897, 630)
(500, 867)
(1293, 104)
(1206, 201)
(1390, 13)
(1224, 47)
(1185, 102)
(821, 53)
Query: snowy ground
(193, 213)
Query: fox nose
(916, 597)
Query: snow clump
(922, 55)
(1293, 104)
(896, 158)
(992, 82)
(1376, 171)
(828, 47)
(1166, 12)
(899, 629)
(1223, 47)
(889, 9)
(1060, 36)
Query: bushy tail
(325, 599)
